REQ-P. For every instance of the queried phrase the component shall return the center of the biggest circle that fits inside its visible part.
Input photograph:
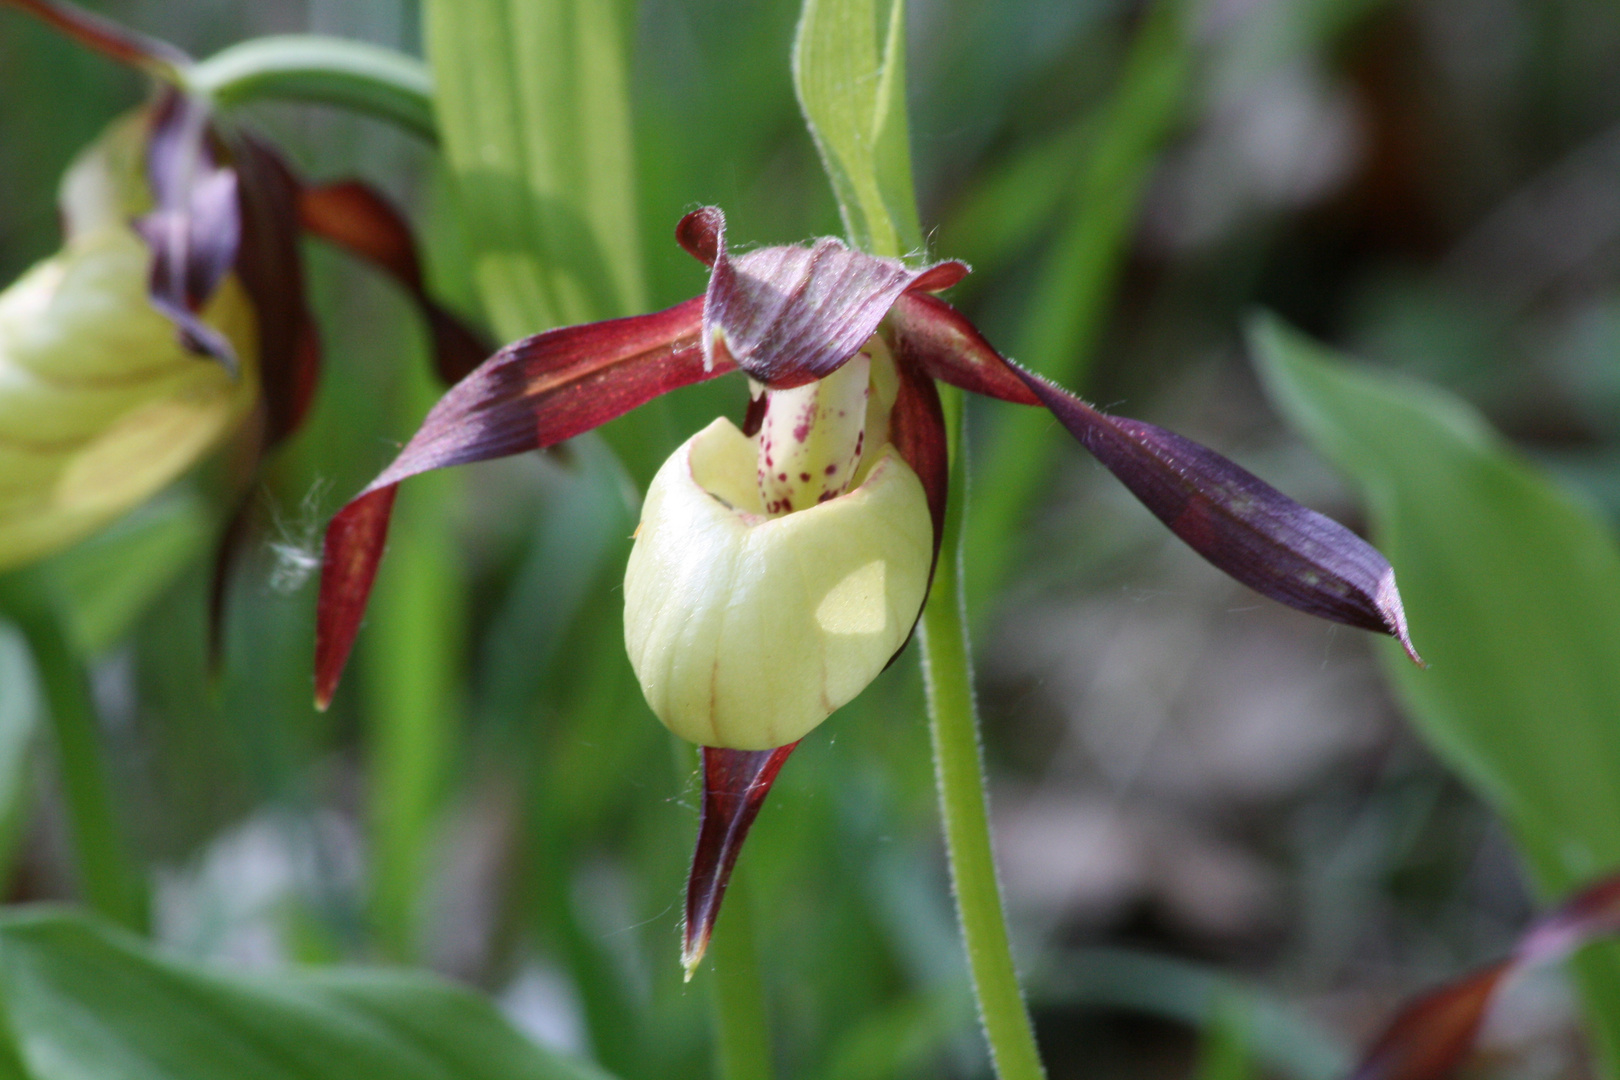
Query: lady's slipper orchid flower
(175, 313)
(779, 567)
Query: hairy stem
(959, 772)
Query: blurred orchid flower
(779, 567)
(175, 314)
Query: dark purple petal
(532, 394)
(735, 783)
(194, 228)
(1237, 521)
(937, 338)
(155, 57)
(702, 233)
(917, 431)
(355, 216)
(1430, 1037)
(790, 315)
(270, 265)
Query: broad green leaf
(84, 1003)
(1512, 589)
(534, 115)
(852, 87)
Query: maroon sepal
(735, 783)
(1241, 524)
(937, 338)
(194, 229)
(1231, 517)
(1430, 1038)
(791, 315)
(271, 269)
(532, 394)
(917, 432)
(354, 216)
(155, 57)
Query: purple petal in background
(1431, 1037)
(195, 227)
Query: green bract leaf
(534, 114)
(1513, 593)
(82, 1003)
(852, 88)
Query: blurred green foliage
(1429, 184)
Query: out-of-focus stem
(959, 771)
(325, 70)
(741, 1029)
(111, 883)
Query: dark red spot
(831, 468)
(782, 476)
(768, 461)
(787, 506)
(804, 478)
(825, 495)
(802, 432)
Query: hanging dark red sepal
(735, 783)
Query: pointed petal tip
(1388, 602)
(692, 950)
(735, 783)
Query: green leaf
(533, 109)
(83, 1003)
(1512, 589)
(326, 70)
(533, 104)
(852, 88)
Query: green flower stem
(326, 70)
(111, 884)
(741, 1029)
(959, 771)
